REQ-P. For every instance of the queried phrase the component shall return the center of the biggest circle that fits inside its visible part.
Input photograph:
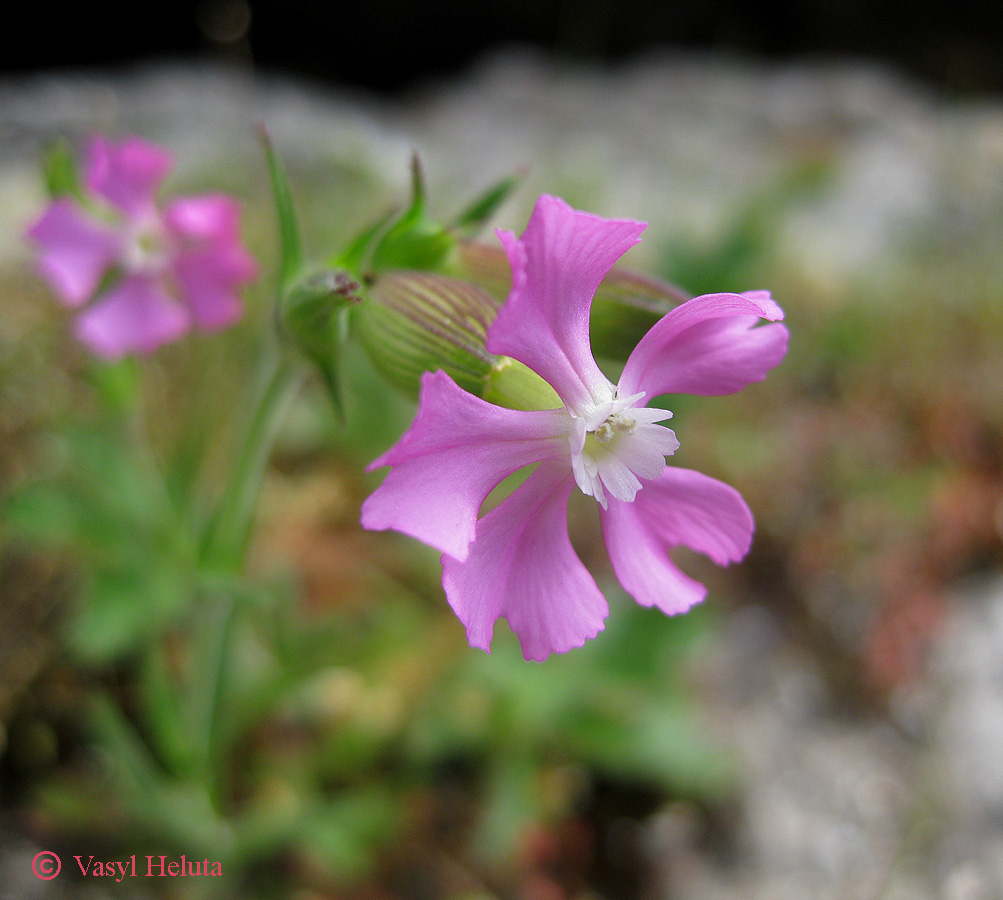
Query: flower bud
(415, 322)
(413, 241)
(625, 308)
(626, 305)
(312, 314)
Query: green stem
(214, 657)
(227, 543)
(224, 553)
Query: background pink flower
(517, 561)
(143, 275)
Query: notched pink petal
(209, 278)
(76, 250)
(457, 450)
(523, 568)
(211, 262)
(137, 316)
(710, 345)
(679, 508)
(213, 306)
(209, 217)
(128, 173)
(557, 265)
(768, 307)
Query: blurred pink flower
(151, 273)
(517, 561)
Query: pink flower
(517, 561)
(151, 274)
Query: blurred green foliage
(309, 736)
(311, 715)
(294, 720)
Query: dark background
(390, 45)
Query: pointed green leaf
(355, 257)
(476, 216)
(417, 184)
(414, 241)
(290, 249)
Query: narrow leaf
(291, 251)
(475, 216)
(355, 257)
(414, 241)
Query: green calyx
(410, 240)
(313, 316)
(511, 383)
(416, 322)
(419, 296)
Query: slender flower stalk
(516, 562)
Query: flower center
(144, 248)
(616, 444)
(617, 423)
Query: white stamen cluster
(615, 444)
